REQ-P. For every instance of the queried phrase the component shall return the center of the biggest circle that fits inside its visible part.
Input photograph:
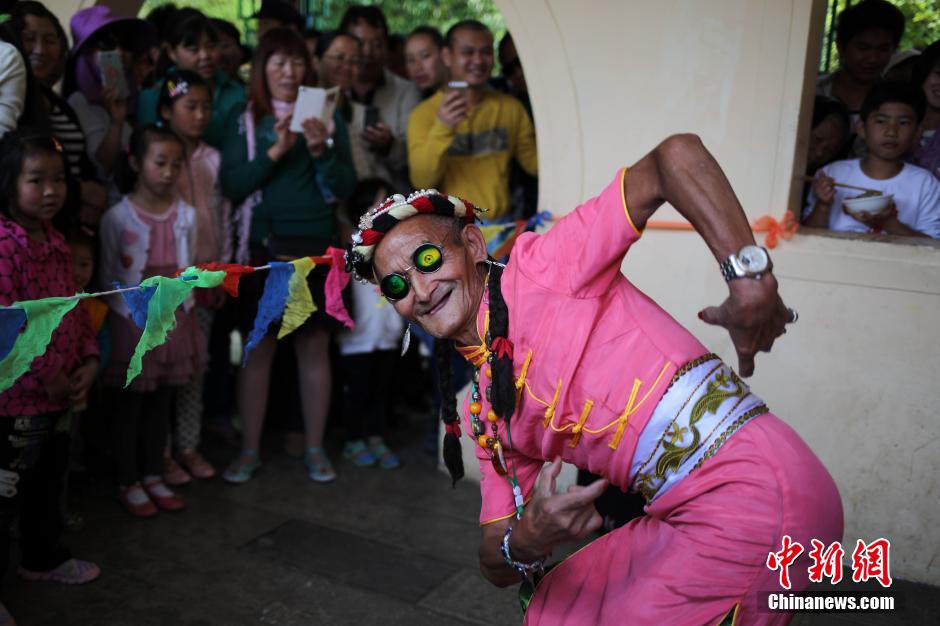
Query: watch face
(753, 259)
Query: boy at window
(890, 118)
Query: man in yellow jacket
(462, 141)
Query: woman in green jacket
(288, 185)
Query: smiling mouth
(437, 307)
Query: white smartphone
(313, 102)
(112, 71)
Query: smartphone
(112, 71)
(371, 116)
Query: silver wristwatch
(748, 262)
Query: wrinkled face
(40, 190)
(825, 141)
(932, 88)
(83, 264)
(890, 130)
(200, 56)
(161, 167)
(340, 63)
(374, 50)
(43, 48)
(423, 62)
(189, 115)
(284, 75)
(470, 57)
(444, 303)
(866, 55)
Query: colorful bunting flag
(336, 281)
(299, 305)
(169, 293)
(233, 274)
(271, 305)
(42, 318)
(137, 301)
(11, 323)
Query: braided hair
(502, 393)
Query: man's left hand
(754, 316)
(379, 137)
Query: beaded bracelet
(523, 568)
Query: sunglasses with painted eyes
(427, 259)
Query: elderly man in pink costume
(575, 364)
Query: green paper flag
(42, 317)
(161, 310)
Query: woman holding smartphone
(100, 98)
(287, 184)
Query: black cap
(282, 12)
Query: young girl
(149, 232)
(191, 45)
(35, 263)
(369, 352)
(185, 108)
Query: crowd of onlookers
(874, 131)
(136, 147)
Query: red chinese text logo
(871, 561)
(783, 559)
(826, 562)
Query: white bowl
(869, 205)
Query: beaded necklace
(491, 443)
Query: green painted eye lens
(428, 258)
(394, 287)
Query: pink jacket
(592, 354)
(31, 270)
(199, 187)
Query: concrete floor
(374, 547)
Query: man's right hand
(824, 189)
(552, 519)
(453, 109)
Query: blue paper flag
(271, 305)
(11, 323)
(138, 300)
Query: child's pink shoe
(135, 500)
(173, 474)
(72, 572)
(161, 494)
(197, 465)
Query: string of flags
(26, 327)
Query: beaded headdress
(381, 218)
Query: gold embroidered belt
(703, 406)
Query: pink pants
(703, 546)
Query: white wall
(858, 375)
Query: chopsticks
(809, 179)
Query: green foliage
(922, 27)
(403, 16)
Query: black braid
(503, 394)
(453, 458)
